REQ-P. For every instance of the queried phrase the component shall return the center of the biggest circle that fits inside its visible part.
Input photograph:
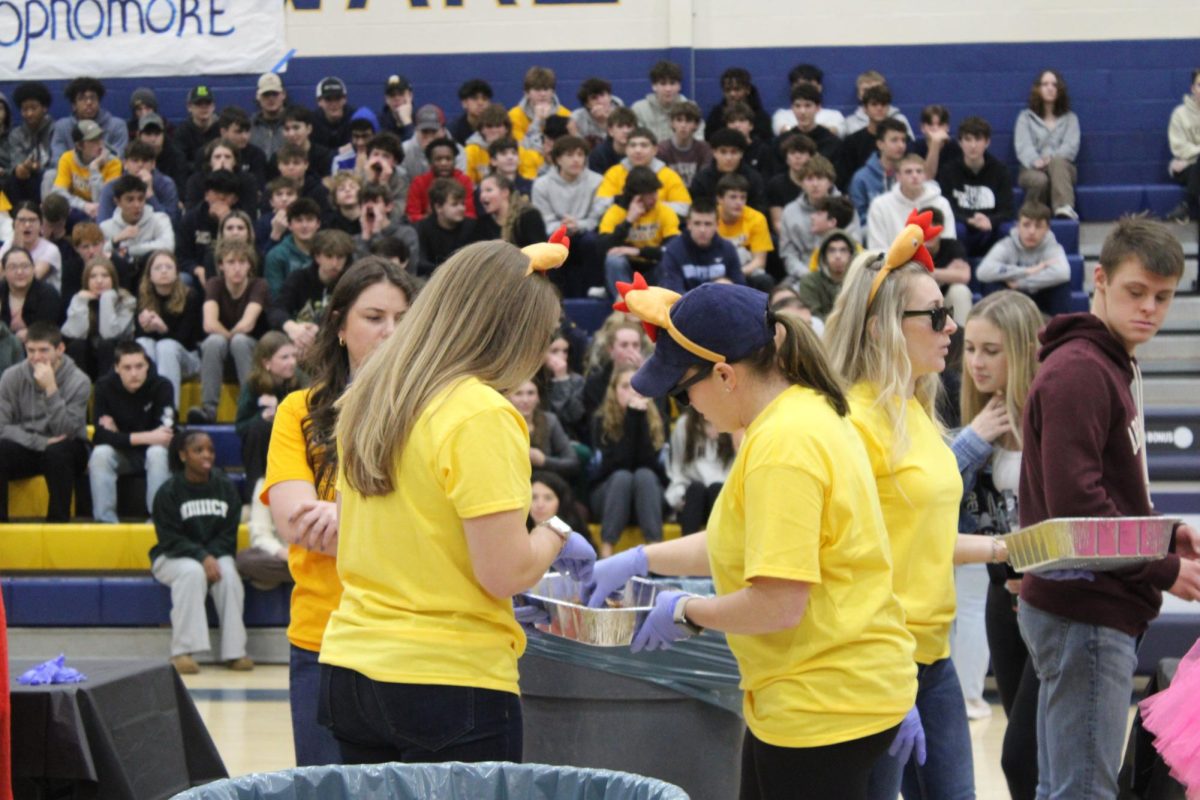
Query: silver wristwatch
(681, 621)
(560, 528)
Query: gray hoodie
(114, 315)
(533, 134)
(586, 125)
(116, 135)
(1033, 140)
(797, 242)
(28, 417)
(154, 232)
(23, 143)
(858, 120)
(655, 116)
(1008, 259)
(556, 198)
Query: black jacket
(42, 304)
(303, 298)
(989, 190)
(705, 185)
(184, 327)
(197, 233)
(437, 243)
(133, 412)
(632, 451)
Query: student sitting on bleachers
(759, 154)
(272, 377)
(25, 152)
(640, 152)
(234, 301)
(549, 446)
(440, 154)
(234, 226)
(682, 151)
(859, 118)
(635, 229)
(784, 119)
(936, 145)
(796, 149)
(552, 497)
(620, 342)
(628, 433)
(729, 150)
(84, 169)
(1183, 135)
(344, 211)
(168, 321)
(199, 228)
(43, 419)
(737, 86)
(161, 192)
(1046, 138)
(55, 212)
(951, 269)
(11, 349)
(797, 239)
(878, 174)
(596, 103)
(1030, 259)
(699, 467)
(505, 213)
(888, 213)
(135, 228)
(654, 110)
(380, 223)
(300, 306)
(978, 188)
(537, 105)
(294, 253)
(27, 234)
(698, 255)
(99, 316)
(272, 225)
(746, 229)
(135, 418)
(819, 289)
(221, 155)
(608, 153)
(196, 516)
(447, 228)
(562, 388)
(24, 299)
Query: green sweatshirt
(194, 520)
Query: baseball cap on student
(429, 118)
(150, 120)
(396, 84)
(268, 82)
(201, 94)
(86, 130)
(331, 87)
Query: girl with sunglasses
(796, 546)
(888, 336)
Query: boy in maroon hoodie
(1084, 455)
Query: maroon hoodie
(1084, 456)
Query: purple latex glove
(577, 558)
(52, 671)
(910, 737)
(1067, 575)
(611, 574)
(659, 631)
(528, 617)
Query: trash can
(451, 781)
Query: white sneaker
(598, 293)
(978, 709)
(1066, 212)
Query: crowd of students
(133, 264)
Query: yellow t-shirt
(920, 497)
(521, 121)
(800, 504)
(76, 178)
(649, 230)
(750, 233)
(673, 189)
(412, 610)
(318, 588)
(479, 163)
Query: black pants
(1189, 179)
(61, 464)
(795, 773)
(94, 355)
(1018, 686)
(698, 502)
(255, 442)
(376, 722)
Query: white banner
(48, 39)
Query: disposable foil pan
(1098, 544)
(612, 626)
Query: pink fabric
(1173, 716)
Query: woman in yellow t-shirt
(888, 336)
(419, 661)
(796, 546)
(366, 306)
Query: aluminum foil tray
(613, 626)
(1092, 543)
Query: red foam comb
(929, 231)
(623, 288)
(560, 237)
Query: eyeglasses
(937, 317)
(27, 220)
(680, 392)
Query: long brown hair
(613, 416)
(1062, 101)
(148, 296)
(328, 361)
(800, 358)
(479, 316)
(695, 439)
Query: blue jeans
(616, 268)
(172, 360)
(949, 770)
(377, 722)
(107, 463)
(1086, 675)
(315, 745)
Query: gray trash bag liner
(451, 781)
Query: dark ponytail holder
(771, 320)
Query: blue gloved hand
(529, 617)
(577, 558)
(611, 574)
(659, 631)
(1067, 575)
(911, 736)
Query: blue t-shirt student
(686, 265)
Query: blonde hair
(602, 342)
(1017, 318)
(479, 316)
(613, 416)
(148, 296)
(866, 342)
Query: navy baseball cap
(726, 319)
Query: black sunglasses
(937, 317)
(680, 392)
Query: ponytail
(800, 358)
